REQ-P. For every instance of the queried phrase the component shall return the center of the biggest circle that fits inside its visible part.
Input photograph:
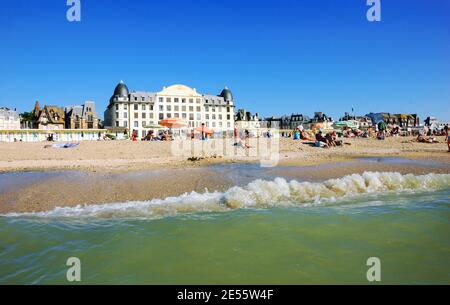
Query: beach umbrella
(173, 123)
(205, 130)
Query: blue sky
(276, 56)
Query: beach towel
(66, 145)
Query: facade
(291, 122)
(402, 120)
(142, 111)
(362, 122)
(9, 119)
(81, 117)
(245, 120)
(60, 135)
(48, 118)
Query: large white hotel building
(142, 110)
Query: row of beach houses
(139, 112)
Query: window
(161, 116)
(207, 116)
(177, 108)
(199, 109)
(161, 108)
(117, 123)
(199, 116)
(183, 108)
(125, 107)
(213, 109)
(161, 100)
(136, 124)
(207, 124)
(183, 100)
(117, 106)
(125, 124)
(213, 124)
(177, 115)
(136, 115)
(136, 107)
(117, 115)
(220, 124)
(169, 100)
(198, 101)
(191, 101)
(228, 117)
(143, 107)
(213, 116)
(228, 124)
(169, 108)
(191, 116)
(206, 108)
(183, 115)
(228, 109)
(191, 108)
(135, 98)
(144, 115)
(151, 115)
(143, 99)
(144, 123)
(169, 115)
(177, 100)
(151, 107)
(125, 115)
(220, 116)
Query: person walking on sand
(447, 136)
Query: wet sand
(42, 191)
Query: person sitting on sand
(331, 139)
(320, 138)
(296, 135)
(305, 136)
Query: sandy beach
(108, 172)
(119, 156)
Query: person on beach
(296, 135)
(447, 136)
(381, 130)
(321, 139)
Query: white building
(142, 110)
(9, 119)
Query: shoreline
(36, 179)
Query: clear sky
(278, 57)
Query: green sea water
(262, 231)
(322, 244)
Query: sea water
(274, 231)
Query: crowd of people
(318, 137)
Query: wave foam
(257, 194)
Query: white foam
(257, 194)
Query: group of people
(165, 135)
(300, 133)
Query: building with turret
(141, 111)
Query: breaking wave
(258, 194)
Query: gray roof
(214, 100)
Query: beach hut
(346, 124)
